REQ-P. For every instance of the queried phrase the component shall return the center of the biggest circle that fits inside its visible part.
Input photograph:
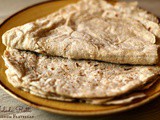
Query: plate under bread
(76, 109)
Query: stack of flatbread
(92, 51)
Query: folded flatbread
(74, 78)
(92, 29)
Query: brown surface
(147, 112)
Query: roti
(75, 78)
(92, 30)
(125, 99)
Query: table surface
(150, 111)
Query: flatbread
(120, 100)
(125, 99)
(92, 29)
(75, 78)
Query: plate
(75, 109)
